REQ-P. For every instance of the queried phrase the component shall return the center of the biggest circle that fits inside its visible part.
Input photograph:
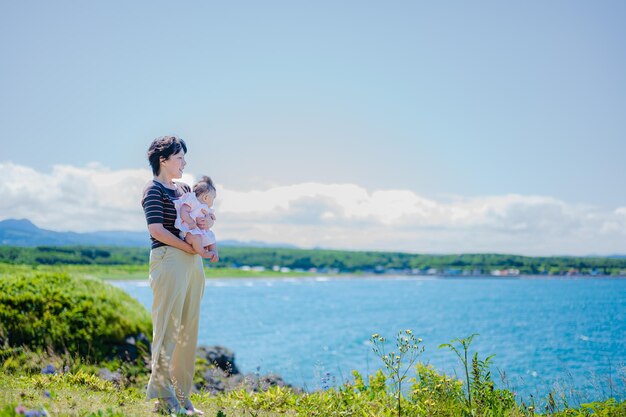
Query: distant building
(505, 272)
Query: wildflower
(408, 331)
(36, 413)
(20, 409)
(49, 370)
(47, 394)
(375, 336)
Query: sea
(565, 335)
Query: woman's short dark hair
(165, 146)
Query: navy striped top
(158, 206)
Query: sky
(434, 127)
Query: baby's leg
(195, 241)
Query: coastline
(350, 276)
(139, 272)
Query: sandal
(169, 406)
(191, 410)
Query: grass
(403, 387)
(84, 394)
(80, 392)
(139, 272)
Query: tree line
(324, 260)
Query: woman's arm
(163, 235)
(152, 203)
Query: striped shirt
(158, 206)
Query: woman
(176, 278)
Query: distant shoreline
(125, 263)
(139, 272)
(389, 277)
(233, 273)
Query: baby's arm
(185, 209)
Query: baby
(196, 204)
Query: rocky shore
(216, 365)
(216, 371)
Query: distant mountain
(22, 232)
(255, 244)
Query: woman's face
(174, 165)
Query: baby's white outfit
(208, 237)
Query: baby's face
(208, 198)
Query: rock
(135, 347)
(271, 380)
(140, 338)
(257, 383)
(214, 381)
(219, 356)
(220, 374)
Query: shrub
(68, 314)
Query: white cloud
(329, 215)
(73, 198)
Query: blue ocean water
(546, 333)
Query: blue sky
(449, 101)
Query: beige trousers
(177, 281)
